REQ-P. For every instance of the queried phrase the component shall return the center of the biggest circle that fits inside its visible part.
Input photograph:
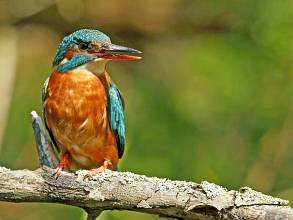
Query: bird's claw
(93, 172)
(64, 162)
(88, 177)
(57, 172)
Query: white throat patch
(96, 66)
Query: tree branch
(127, 191)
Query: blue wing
(116, 116)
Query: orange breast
(76, 112)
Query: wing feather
(116, 116)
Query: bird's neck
(96, 66)
(105, 79)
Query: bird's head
(87, 45)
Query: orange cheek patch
(71, 52)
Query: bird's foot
(98, 170)
(94, 172)
(57, 172)
(64, 163)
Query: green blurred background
(211, 100)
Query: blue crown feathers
(83, 35)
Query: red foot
(98, 170)
(64, 163)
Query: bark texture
(128, 191)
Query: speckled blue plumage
(75, 61)
(116, 116)
(83, 35)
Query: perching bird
(82, 107)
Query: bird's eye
(83, 45)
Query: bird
(83, 109)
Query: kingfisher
(83, 109)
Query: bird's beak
(116, 52)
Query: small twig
(45, 147)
